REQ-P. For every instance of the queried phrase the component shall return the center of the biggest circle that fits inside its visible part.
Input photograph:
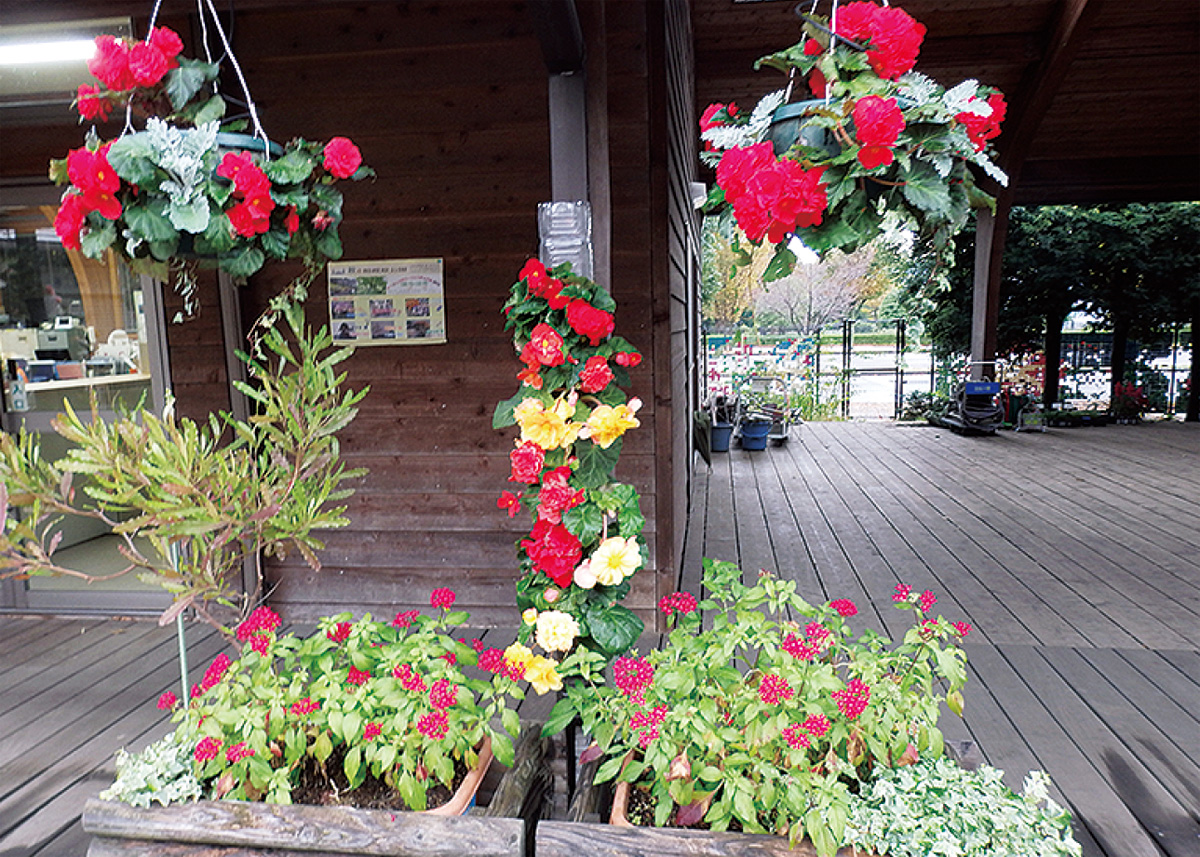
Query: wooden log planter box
(238, 829)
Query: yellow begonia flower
(607, 423)
(542, 676)
(556, 630)
(530, 616)
(517, 655)
(549, 428)
(616, 559)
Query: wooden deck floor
(1074, 554)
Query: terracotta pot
(464, 797)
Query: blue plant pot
(721, 433)
(754, 434)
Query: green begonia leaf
(151, 222)
(613, 627)
(596, 464)
(292, 168)
(130, 157)
(95, 241)
(185, 81)
(243, 263)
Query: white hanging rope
(258, 128)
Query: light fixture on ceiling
(44, 52)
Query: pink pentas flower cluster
(853, 699)
(237, 752)
(340, 632)
(442, 598)
(770, 197)
(646, 724)
(357, 677)
(797, 735)
(434, 726)
(817, 638)
(258, 625)
(212, 675)
(371, 731)
(962, 628)
(633, 676)
(774, 689)
(902, 593)
(405, 618)
(443, 694)
(491, 660)
(207, 749)
(305, 706)
(844, 607)
(926, 601)
(167, 701)
(409, 678)
(683, 603)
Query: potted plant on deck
(768, 717)
(351, 728)
(876, 146)
(188, 190)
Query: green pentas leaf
(613, 627)
(131, 157)
(293, 168)
(562, 714)
(185, 81)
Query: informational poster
(388, 302)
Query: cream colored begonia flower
(530, 616)
(542, 676)
(556, 630)
(616, 559)
(606, 423)
(549, 428)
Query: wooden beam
(1030, 105)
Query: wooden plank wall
(448, 103)
(451, 110)
(683, 251)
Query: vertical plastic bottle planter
(720, 436)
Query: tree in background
(812, 296)
(728, 277)
(1137, 267)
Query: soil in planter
(328, 786)
(640, 812)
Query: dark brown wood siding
(683, 255)
(448, 102)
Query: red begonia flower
(342, 157)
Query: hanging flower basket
(877, 146)
(190, 189)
